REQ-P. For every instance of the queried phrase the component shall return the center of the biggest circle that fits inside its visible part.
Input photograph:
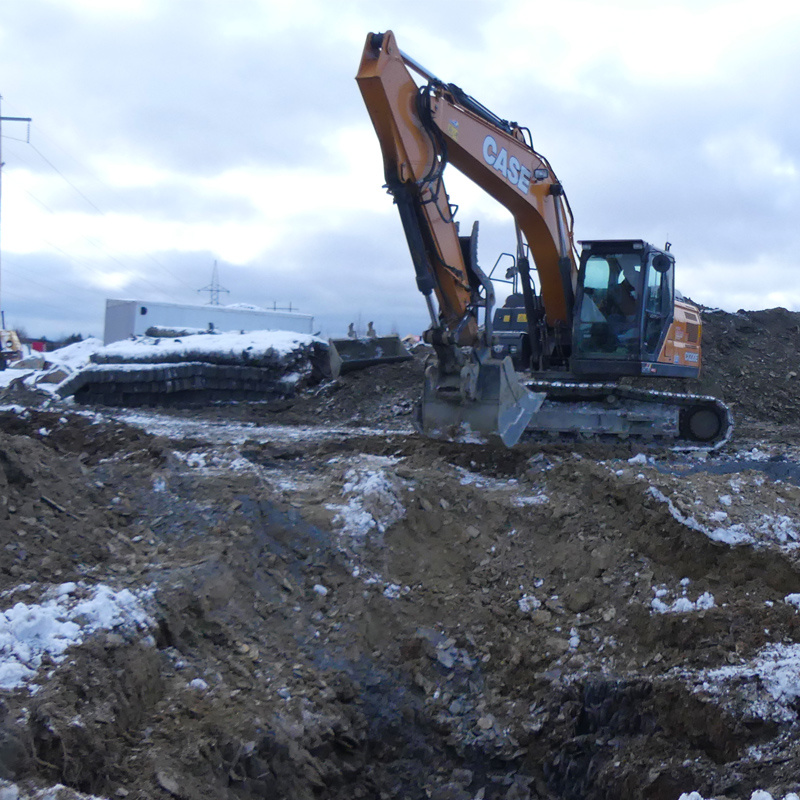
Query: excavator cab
(624, 311)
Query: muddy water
(776, 468)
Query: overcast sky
(168, 134)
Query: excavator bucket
(487, 402)
(361, 353)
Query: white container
(126, 318)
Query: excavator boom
(468, 391)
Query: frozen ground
(312, 602)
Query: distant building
(126, 318)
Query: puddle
(776, 468)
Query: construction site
(305, 598)
(547, 549)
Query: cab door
(608, 320)
(659, 303)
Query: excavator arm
(612, 314)
(413, 171)
(423, 128)
(496, 157)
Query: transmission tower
(2, 120)
(214, 288)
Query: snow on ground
(373, 497)
(510, 486)
(72, 357)
(758, 794)
(748, 522)
(528, 603)
(680, 605)
(531, 500)
(12, 791)
(229, 344)
(67, 614)
(75, 355)
(764, 688)
(373, 494)
(235, 432)
(8, 375)
(213, 462)
(221, 461)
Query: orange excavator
(551, 358)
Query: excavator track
(691, 422)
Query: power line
(93, 243)
(138, 279)
(98, 210)
(107, 186)
(67, 180)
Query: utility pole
(2, 120)
(214, 288)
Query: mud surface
(340, 609)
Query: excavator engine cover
(485, 401)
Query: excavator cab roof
(614, 244)
(621, 246)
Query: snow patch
(689, 522)
(758, 794)
(373, 495)
(67, 615)
(574, 639)
(76, 355)
(754, 455)
(233, 345)
(767, 686)
(531, 500)
(767, 529)
(528, 603)
(12, 791)
(508, 485)
(212, 461)
(681, 605)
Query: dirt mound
(55, 521)
(751, 360)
